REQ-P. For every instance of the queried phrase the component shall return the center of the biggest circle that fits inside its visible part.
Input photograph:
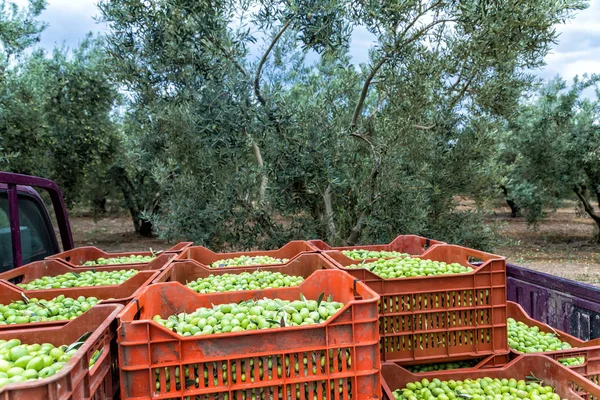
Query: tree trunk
(356, 230)
(329, 215)
(146, 227)
(264, 180)
(141, 226)
(514, 208)
(589, 209)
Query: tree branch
(356, 230)
(462, 91)
(371, 181)
(423, 127)
(329, 214)
(264, 181)
(386, 56)
(263, 60)
(587, 206)
(230, 57)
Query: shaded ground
(560, 245)
(111, 234)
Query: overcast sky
(577, 52)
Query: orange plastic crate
(411, 244)
(350, 337)
(75, 380)
(204, 256)
(75, 258)
(189, 271)
(440, 318)
(120, 294)
(590, 349)
(566, 383)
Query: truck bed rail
(567, 305)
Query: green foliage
(214, 146)
(18, 28)
(552, 144)
(55, 118)
(226, 151)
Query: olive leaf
(25, 298)
(76, 274)
(74, 346)
(273, 322)
(320, 299)
(532, 377)
(93, 269)
(553, 330)
(84, 337)
(282, 321)
(191, 382)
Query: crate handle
(136, 316)
(357, 296)
(104, 352)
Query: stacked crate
(388, 333)
(334, 359)
(94, 330)
(453, 321)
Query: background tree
(19, 91)
(554, 140)
(55, 110)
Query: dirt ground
(560, 245)
(111, 234)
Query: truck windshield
(36, 234)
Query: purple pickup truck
(29, 235)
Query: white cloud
(68, 21)
(577, 51)
(578, 48)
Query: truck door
(37, 236)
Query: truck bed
(570, 306)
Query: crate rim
(66, 370)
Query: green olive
(361, 254)
(409, 267)
(250, 315)
(33, 310)
(248, 260)
(132, 259)
(79, 279)
(480, 388)
(529, 339)
(244, 281)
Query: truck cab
(27, 233)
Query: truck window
(36, 232)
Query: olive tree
(252, 151)
(19, 107)
(554, 143)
